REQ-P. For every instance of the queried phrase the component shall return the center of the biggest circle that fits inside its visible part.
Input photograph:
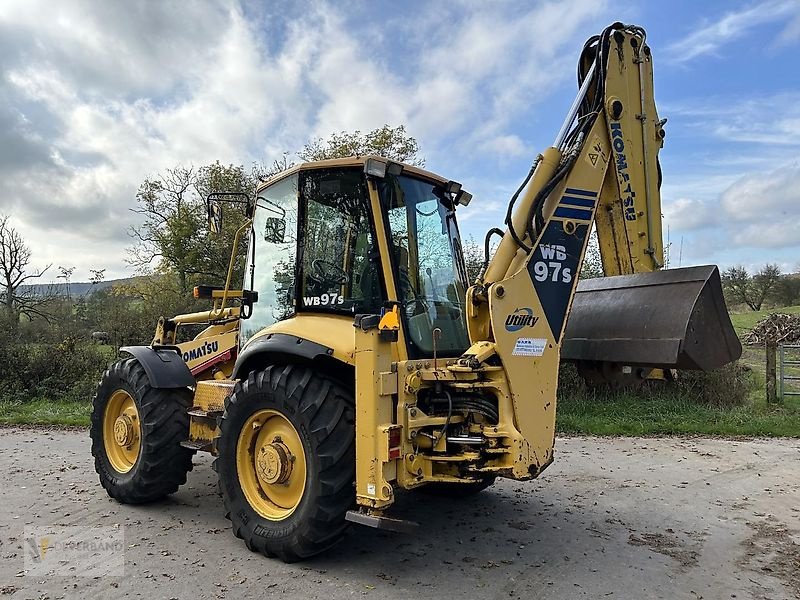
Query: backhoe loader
(356, 360)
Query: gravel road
(611, 518)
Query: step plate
(377, 522)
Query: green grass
(755, 357)
(656, 410)
(45, 412)
(668, 410)
(667, 413)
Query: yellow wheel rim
(122, 431)
(271, 464)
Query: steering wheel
(323, 271)
(416, 306)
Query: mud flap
(671, 319)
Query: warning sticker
(529, 346)
(596, 154)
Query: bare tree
(98, 275)
(66, 275)
(15, 258)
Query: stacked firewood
(777, 328)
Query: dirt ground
(612, 518)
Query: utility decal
(201, 351)
(529, 346)
(553, 270)
(627, 195)
(520, 318)
(323, 300)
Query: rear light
(394, 442)
(205, 291)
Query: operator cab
(347, 236)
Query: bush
(726, 387)
(570, 383)
(69, 370)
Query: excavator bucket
(672, 319)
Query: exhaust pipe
(671, 319)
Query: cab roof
(349, 161)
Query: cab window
(270, 268)
(340, 262)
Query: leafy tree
(787, 291)
(173, 242)
(592, 266)
(764, 283)
(473, 258)
(390, 142)
(171, 234)
(173, 237)
(120, 312)
(753, 290)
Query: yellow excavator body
(357, 358)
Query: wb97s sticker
(323, 300)
(529, 346)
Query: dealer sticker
(529, 347)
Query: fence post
(781, 359)
(772, 395)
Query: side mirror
(275, 230)
(214, 211)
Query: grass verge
(601, 413)
(45, 412)
(665, 413)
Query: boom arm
(604, 161)
(602, 169)
(629, 226)
(518, 307)
(629, 220)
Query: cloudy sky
(96, 96)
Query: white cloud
(687, 214)
(508, 146)
(102, 95)
(768, 201)
(709, 38)
(756, 212)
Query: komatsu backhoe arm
(603, 169)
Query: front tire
(286, 461)
(136, 432)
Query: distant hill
(77, 288)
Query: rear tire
(286, 461)
(136, 432)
